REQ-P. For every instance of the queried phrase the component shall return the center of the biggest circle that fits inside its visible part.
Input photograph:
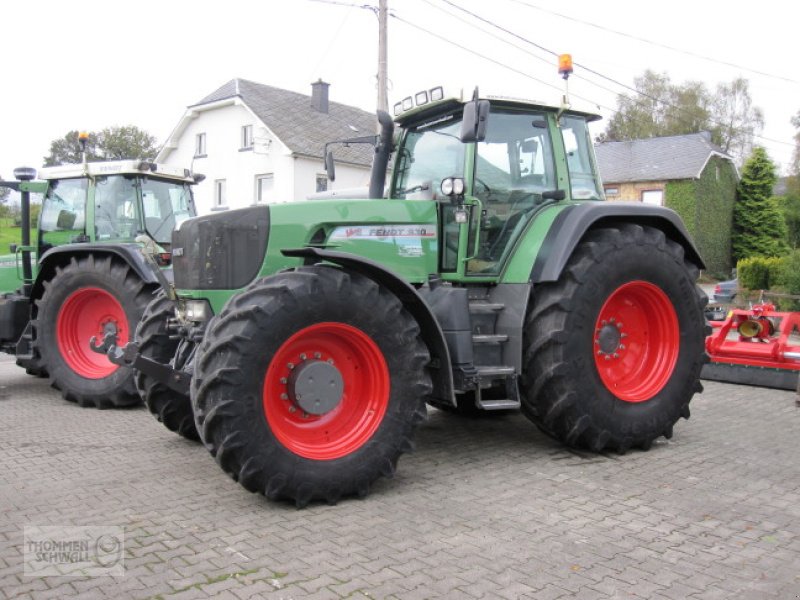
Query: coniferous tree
(758, 226)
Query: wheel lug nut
(292, 408)
(330, 361)
(619, 325)
(607, 357)
(622, 346)
(616, 355)
(284, 396)
(284, 380)
(317, 355)
(302, 357)
(290, 366)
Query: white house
(260, 144)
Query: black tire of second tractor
(115, 277)
(170, 407)
(562, 392)
(233, 359)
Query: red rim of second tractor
(84, 314)
(645, 341)
(365, 397)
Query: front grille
(221, 251)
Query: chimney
(319, 96)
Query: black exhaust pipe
(25, 174)
(383, 152)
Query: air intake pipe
(383, 152)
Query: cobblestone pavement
(485, 508)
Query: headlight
(196, 310)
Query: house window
(612, 191)
(322, 182)
(265, 184)
(200, 144)
(247, 137)
(219, 192)
(655, 197)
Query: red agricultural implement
(756, 347)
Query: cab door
(513, 168)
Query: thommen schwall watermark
(74, 551)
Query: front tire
(309, 385)
(82, 298)
(156, 342)
(614, 348)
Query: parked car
(725, 291)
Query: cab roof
(452, 104)
(116, 167)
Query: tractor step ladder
(497, 382)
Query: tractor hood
(220, 251)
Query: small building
(261, 144)
(687, 173)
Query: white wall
(294, 178)
(307, 169)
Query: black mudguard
(573, 222)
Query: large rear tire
(309, 385)
(156, 342)
(82, 298)
(614, 348)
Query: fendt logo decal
(383, 232)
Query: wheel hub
(609, 339)
(315, 386)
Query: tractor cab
(113, 202)
(521, 158)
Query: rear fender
(572, 223)
(59, 256)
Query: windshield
(578, 145)
(166, 204)
(431, 152)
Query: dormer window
(247, 137)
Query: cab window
(578, 146)
(63, 218)
(430, 153)
(116, 209)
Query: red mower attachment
(755, 347)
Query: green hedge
(760, 273)
(706, 207)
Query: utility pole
(383, 12)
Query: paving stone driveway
(484, 508)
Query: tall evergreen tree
(758, 226)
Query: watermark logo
(74, 551)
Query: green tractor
(85, 274)
(302, 341)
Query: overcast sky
(90, 64)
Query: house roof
(302, 128)
(656, 159)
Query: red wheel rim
(84, 314)
(364, 399)
(636, 341)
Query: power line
(590, 70)
(654, 43)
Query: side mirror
(475, 120)
(330, 166)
